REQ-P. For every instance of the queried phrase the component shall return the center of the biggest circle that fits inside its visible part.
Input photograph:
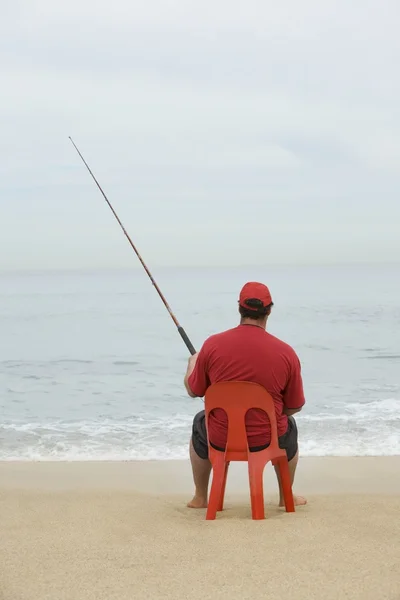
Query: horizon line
(139, 267)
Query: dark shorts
(287, 441)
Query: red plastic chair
(236, 398)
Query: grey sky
(222, 131)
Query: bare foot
(298, 501)
(197, 502)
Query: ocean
(92, 367)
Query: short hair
(258, 313)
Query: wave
(61, 361)
(35, 363)
(146, 437)
(369, 410)
(78, 453)
(125, 362)
(383, 357)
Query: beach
(93, 403)
(105, 530)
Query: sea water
(92, 367)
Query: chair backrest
(236, 398)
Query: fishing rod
(181, 331)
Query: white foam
(364, 430)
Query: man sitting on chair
(246, 353)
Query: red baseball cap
(254, 291)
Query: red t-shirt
(249, 353)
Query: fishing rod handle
(185, 338)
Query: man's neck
(262, 323)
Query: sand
(81, 531)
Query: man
(246, 353)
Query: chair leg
(221, 500)
(256, 471)
(286, 485)
(218, 474)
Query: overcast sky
(223, 131)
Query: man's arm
(196, 379)
(291, 411)
(293, 397)
(190, 368)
